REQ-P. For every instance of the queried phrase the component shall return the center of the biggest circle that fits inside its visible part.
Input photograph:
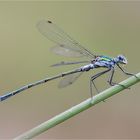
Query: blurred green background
(109, 28)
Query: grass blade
(79, 108)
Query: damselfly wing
(65, 46)
(69, 79)
(63, 63)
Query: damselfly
(67, 46)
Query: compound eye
(121, 58)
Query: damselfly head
(122, 59)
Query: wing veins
(62, 38)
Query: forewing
(68, 80)
(64, 42)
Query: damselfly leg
(92, 81)
(127, 73)
(110, 81)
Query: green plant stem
(79, 108)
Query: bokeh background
(109, 28)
